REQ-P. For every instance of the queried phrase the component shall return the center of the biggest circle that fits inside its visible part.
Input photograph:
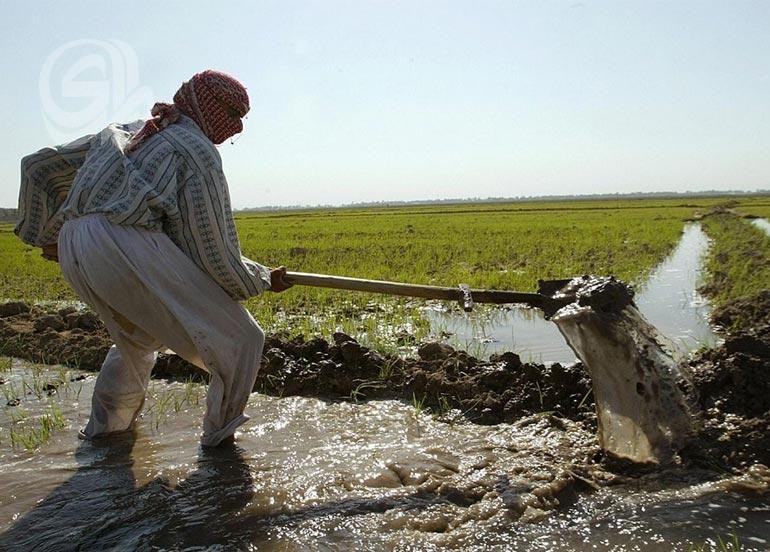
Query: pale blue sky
(399, 100)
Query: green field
(738, 263)
(501, 245)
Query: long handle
(417, 290)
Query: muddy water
(310, 475)
(491, 330)
(668, 299)
(764, 224)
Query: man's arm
(208, 235)
(46, 178)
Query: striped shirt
(173, 183)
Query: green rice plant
(11, 393)
(161, 399)
(506, 245)
(190, 394)
(31, 437)
(418, 405)
(476, 348)
(499, 245)
(540, 395)
(358, 392)
(18, 415)
(34, 383)
(720, 544)
(443, 404)
(758, 207)
(738, 263)
(445, 412)
(5, 364)
(585, 398)
(388, 368)
(162, 403)
(164, 399)
(193, 391)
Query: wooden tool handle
(417, 290)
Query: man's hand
(50, 252)
(277, 279)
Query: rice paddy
(504, 246)
(496, 245)
(738, 264)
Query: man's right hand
(277, 279)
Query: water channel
(668, 299)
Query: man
(139, 218)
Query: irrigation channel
(308, 474)
(668, 299)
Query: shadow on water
(102, 507)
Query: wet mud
(446, 381)
(730, 385)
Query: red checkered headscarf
(214, 100)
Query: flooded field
(312, 475)
(668, 299)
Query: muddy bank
(449, 382)
(731, 384)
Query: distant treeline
(8, 215)
(455, 201)
(11, 215)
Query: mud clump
(47, 338)
(49, 321)
(603, 294)
(12, 308)
(450, 382)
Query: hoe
(642, 413)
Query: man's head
(216, 102)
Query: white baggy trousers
(151, 296)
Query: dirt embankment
(447, 381)
(731, 384)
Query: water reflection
(669, 299)
(763, 224)
(489, 330)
